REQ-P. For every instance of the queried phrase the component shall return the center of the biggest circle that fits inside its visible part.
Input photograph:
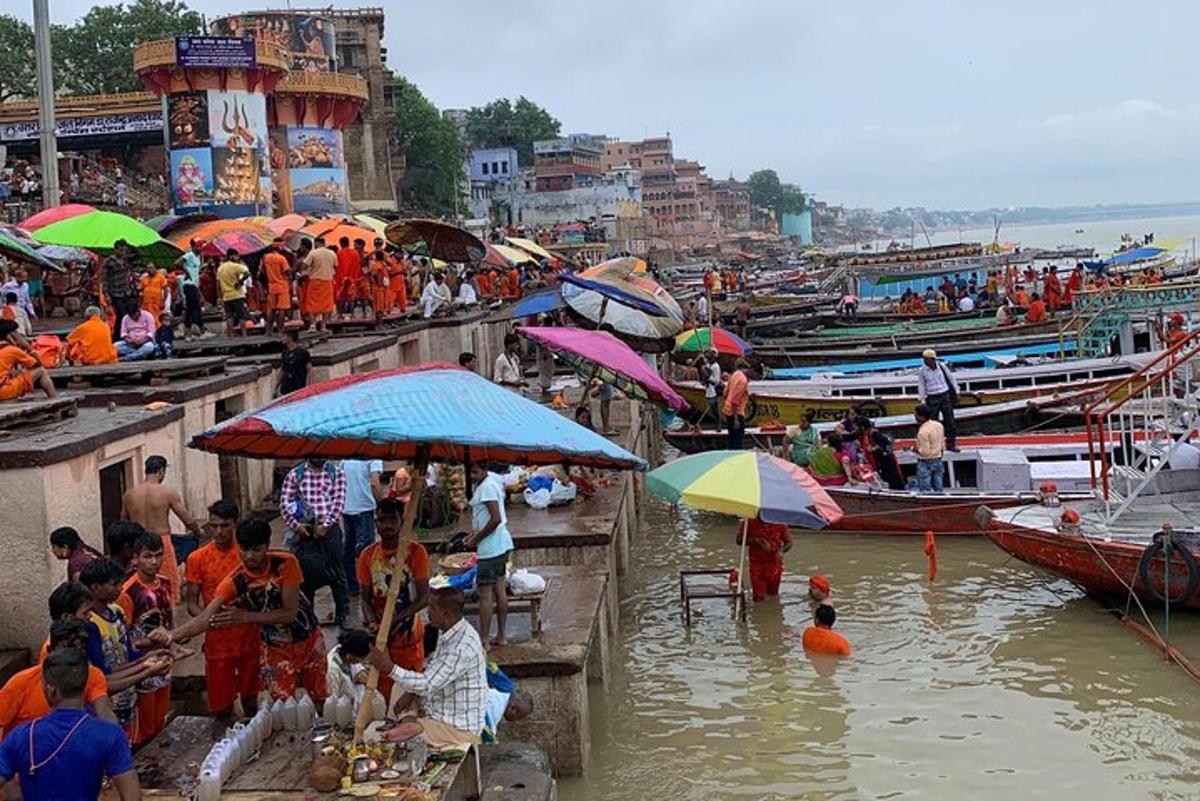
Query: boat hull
(798, 355)
(875, 511)
(1086, 560)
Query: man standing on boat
(937, 390)
(930, 448)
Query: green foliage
(432, 152)
(95, 55)
(17, 68)
(503, 123)
(766, 190)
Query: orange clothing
(1174, 336)
(514, 283)
(406, 646)
(91, 343)
(318, 297)
(152, 708)
(22, 698)
(765, 548)
(380, 286)
(1036, 312)
(1022, 298)
(819, 640)
(152, 294)
(349, 272)
(207, 567)
(279, 279)
(15, 383)
(737, 394)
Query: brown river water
(998, 681)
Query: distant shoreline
(1078, 214)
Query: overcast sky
(954, 104)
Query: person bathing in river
(820, 637)
(819, 591)
(766, 544)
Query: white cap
(929, 353)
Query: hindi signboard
(215, 51)
(85, 126)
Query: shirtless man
(151, 505)
(741, 316)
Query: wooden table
(531, 603)
(279, 773)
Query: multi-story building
(732, 201)
(568, 162)
(493, 164)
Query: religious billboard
(308, 37)
(215, 52)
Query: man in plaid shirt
(311, 503)
(445, 704)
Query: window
(495, 168)
(485, 166)
(504, 167)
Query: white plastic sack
(562, 493)
(537, 500)
(513, 477)
(522, 582)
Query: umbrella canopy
(65, 253)
(210, 230)
(164, 223)
(288, 222)
(621, 294)
(529, 246)
(49, 216)
(19, 234)
(652, 333)
(701, 339)
(442, 241)
(541, 302)
(18, 250)
(746, 484)
(436, 410)
(100, 230)
(598, 354)
(374, 223)
(503, 256)
(244, 242)
(334, 233)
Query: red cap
(1177, 318)
(819, 583)
(1070, 516)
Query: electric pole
(45, 82)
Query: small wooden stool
(688, 593)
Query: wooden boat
(1102, 567)
(917, 336)
(797, 355)
(1000, 418)
(885, 395)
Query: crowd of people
(116, 633)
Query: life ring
(1189, 561)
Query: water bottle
(306, 711)
(277, 716)
(291, 720)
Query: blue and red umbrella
(434, 411)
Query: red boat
(868, 510)
(1101, 567)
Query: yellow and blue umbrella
(746, 484)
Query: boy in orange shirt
(406, 643)
(146, 602)
(820, 638)
(21, 698)
(233, 655)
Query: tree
(95, 55)
(503, 123)
(18, 72)
(766, 190)
(432, 152)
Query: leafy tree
(503, 123)
(95, 55)
(432, 152)
(18, 71)
(766, 190)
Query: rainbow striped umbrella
(746, 484)
(701, 339)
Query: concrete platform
(87, 431)
(178, 391)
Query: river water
(996, 681)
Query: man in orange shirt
(737, 395)
(397, 280)
(19, 368)
(91, 341)
(231, 655)
(1036, 313)
(22, 699)
(154, 283)
(767, 544)
(349, 275)
(820, 637)
(406, 643)
(279, 286)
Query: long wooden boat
(917, 336)
(797, 355)
(869, 510)
(1102, 567)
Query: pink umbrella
(288, 222)
(598, 354)
(58, 213)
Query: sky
(955, 104)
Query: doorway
(114, 480)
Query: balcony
(323, 83)
(160, 54)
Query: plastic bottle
(345, 711)
(290, 717)
(378, 706)
(329, 711)
(210, 785)
(306, 712)
(277, 716)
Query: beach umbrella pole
(740, 601)
(420, 464)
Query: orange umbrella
(334, 233)
(183, 236)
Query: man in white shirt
(467, 296)
(937, 389)
(507, 370)
(702, 310)
(710, 376)
(436, 296)
(19, 284)
(363, 487)
(966, 304)
(447, 701)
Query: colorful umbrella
(529, 246)
(52, 215)
(288, 222)
(621, 294)
(18, 250)
(210, 230)
(100, 230)
(541, 302)
(645, 332)
(597, 354)
(334, 233)
(65, 253)
(244, 242)
(701, 339)
(434, 411)
(503, 256)
(164, 223)
(374, 223)
(746, 484)
(442, 241)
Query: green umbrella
(19, 251)
(100, 230)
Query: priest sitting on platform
(91, 341)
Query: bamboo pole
(420, 465)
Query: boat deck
(1139, 524)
